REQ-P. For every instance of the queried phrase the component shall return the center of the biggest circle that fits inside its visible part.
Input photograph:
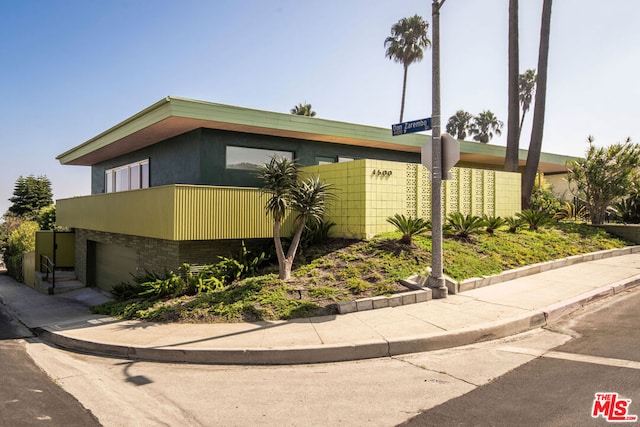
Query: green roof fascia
(145, 118)
(203, 110)
(304, 127)
(469, 147)
(260, 121)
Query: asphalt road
(558, 389)
(28, 397)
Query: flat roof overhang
(173, 116)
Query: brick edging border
(423, 294)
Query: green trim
(172, 116)
(145, 118)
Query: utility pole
(436, 280)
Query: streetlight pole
(436, 280)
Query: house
(176, 183)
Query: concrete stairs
(65, 281)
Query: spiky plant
(575, 212)
(492, 222)
(513, 223)
(463, 226)
(409, 227)
(535, 219)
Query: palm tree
(307, 197)
(406, 45)
(535, 145)
(303, 110)
(526, 89)
(513, 131)
(459, 124)
(484, 126)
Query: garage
(112, 264)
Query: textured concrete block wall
(370, 191)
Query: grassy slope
(345, 270)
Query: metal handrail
(50, 267)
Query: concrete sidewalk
(490, 312)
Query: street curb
(226, 356)
(559, 310)
(345, 352)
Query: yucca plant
(492, 222)
(513, 223)
(535, 219)
(409, 227)
(463, 226)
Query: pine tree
(30, 194)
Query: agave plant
(463, 226)
(513, 223)
(571, 211)
(409, 226)
(535, 218)
(492, 222)
(627, 211)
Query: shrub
(627, 210)
(191, 281)
(492, 223)
(9, 224)
(535, 219)
(463, 226)
(152, 286)
(245, 264)
(543, 198)
(20, 240)
(513, 223)
(46, 217)
(571, 211)
(315, 233)
(409, 226)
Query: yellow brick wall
(507, 193)
(369, 191)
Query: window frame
(269, 153)
(111, 177)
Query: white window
(323, 160)
(127, 177)
(252, 158)
(108, 177)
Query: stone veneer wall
(158, 255)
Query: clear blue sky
(73, 68)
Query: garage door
(114, 264)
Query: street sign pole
(436, 280)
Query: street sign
(450, 154)
(411, 127)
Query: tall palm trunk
(404, 91)
(535, 146)
(513, 131)
(521, 123)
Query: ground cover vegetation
(247, 287)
